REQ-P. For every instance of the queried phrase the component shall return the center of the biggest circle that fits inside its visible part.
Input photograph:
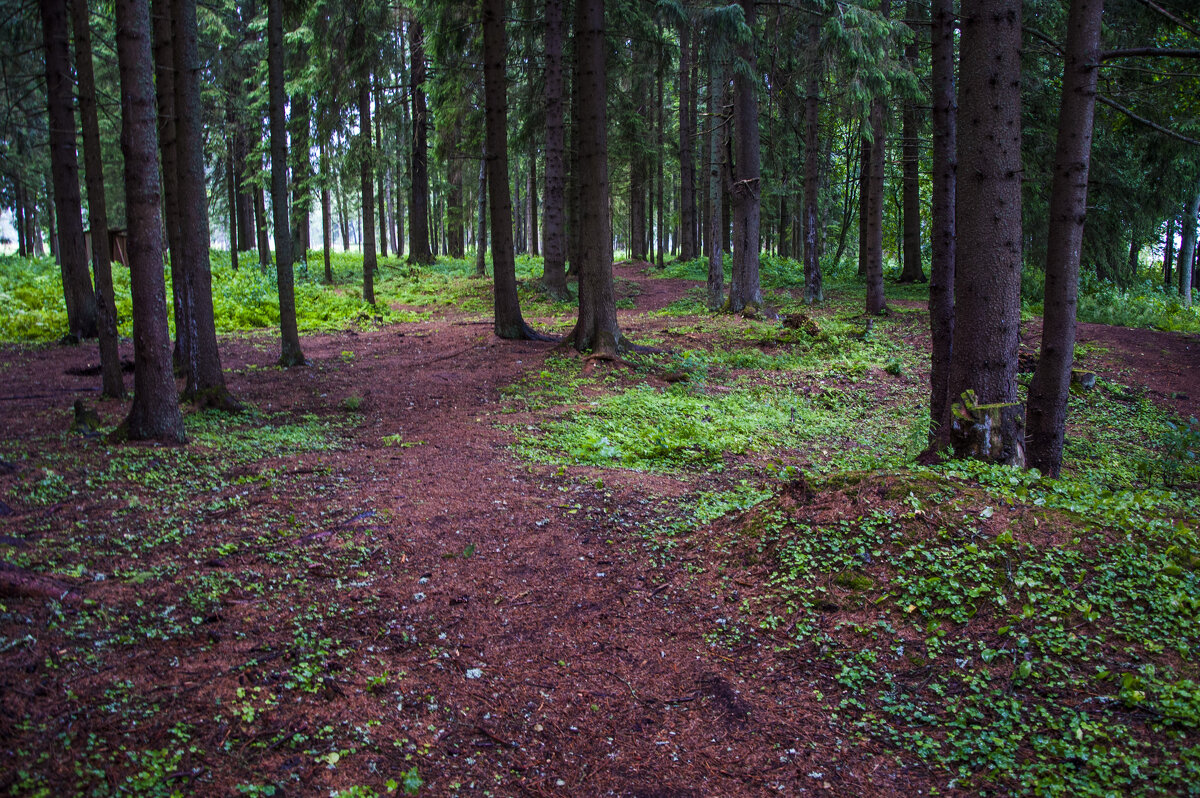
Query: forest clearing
(435, 562)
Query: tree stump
(994, 433)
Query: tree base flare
(993, 433)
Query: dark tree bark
(164, 72)
(813, 284)
(367, 183)
(942, 243)
(260, 223)
(876, 303)
(531, 196)
(1168, 251)
(64, 170)
(418, 222)
(554, 245)
(381, 173)
(660, 199)
(744, 289)
(112, 384)
(1187, 248)
(596, 329)
(455, 214)
(289, 336)
(687, 157)
(913, 271)
(1046, 411)
(864, 191)
(300, 119)
(508, 320)
(247, 233)
(986, 420)
(205, 381)
(326, 215)
(716, 188)
(231, 187)
(481, 235)
(154, 413)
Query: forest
(649, 398)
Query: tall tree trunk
(744, 289)
(637, 178)
(205, 381)
(531, 196)
(454, 200)
(864, 191)
(986, 420)
(876, 303)
(813, 284)
(554, 268)
(247, 233)
(418, 222)
(260, 222)
(381, 175)
(290, 353)
(913, 272)
(154, 413)
(660, 199)
(367, 177)
(1187, 248)
(164, 72)
(1048, 392)
(716, 253)
(326, 215)
(231, 186)
(596, 328)
(1168, 251)
(112, 384)
(481, 236)
(23, 247)
(942, 241)
(300, 118)
(508, 320)
(687, 158)
(64, 169)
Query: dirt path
(528, 643)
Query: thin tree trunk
(1168, 251)
(418, 223)
(154, 413)
(716, 254)
(381, 173)
(260, 221)
(813, 284)
(481, 220)
(1187, 248)
(367, 178)
(112, 384)
(660, 199)
(687, 159)
(231, 185)
(942, 243)
(1048, 392)
(64, 170)
(508, 320)
(554, 270)
(205, 381)
(454, 201)
(300, 118)
(164, 72)
(864, 191)
(986, 420)
(326, 215)
(744, 289)
(913, 271)
(596, 328)
(876, 303)
(289, 336)
(531, 195)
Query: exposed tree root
(16, 582)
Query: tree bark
(205, 381)
(380, 175)
(942, 243)
(531, 196)
(112, 384)
(455, 214)
(716, 253)
(300, 118)
(913, 271)
(289, 336)
(231, 186)
(168, 144)
(1049, 390)
(481, 219)
(876, 304)
(744, 289)
(1187, 248)
(260, 222)
(596, 329)
(554, 246)
(813, 287)
(1169, 251)
(154, 413)
(326, 215)
(986, 420)
(508, 320)
(366, 170)
(687, 158)
(64, 170)
(418, 222)
(864, 191)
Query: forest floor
(440, 563)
